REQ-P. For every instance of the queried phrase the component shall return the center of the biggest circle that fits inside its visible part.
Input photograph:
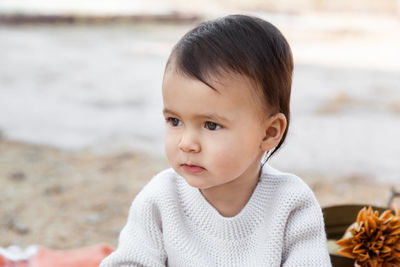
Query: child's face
(212, 137)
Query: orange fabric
(84, 257)
(7, 263)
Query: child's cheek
(226, 158)
(170, 146)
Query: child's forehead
(231, 90)
(217, 79)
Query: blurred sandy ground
(63, 198)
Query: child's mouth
(192, 168)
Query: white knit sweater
(171, 224)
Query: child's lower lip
(192, 168)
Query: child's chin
(196, 184)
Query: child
(226, 94)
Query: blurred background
(81, 128)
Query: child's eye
(212, 126)
(174, 121)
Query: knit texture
(171, 224)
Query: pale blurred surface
(80, 109)
(386, 7)
(98, 86)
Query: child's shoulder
(159, 187)
(287, 185)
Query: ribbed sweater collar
(205, 217)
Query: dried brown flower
(374, 240)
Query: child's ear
(274, 128)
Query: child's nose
(189, 142)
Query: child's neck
(230, 198)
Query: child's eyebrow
(165, 110)
(210, 116)
(213, 117)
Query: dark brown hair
(243, 45)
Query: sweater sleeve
(140, 241)
(305, 243)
